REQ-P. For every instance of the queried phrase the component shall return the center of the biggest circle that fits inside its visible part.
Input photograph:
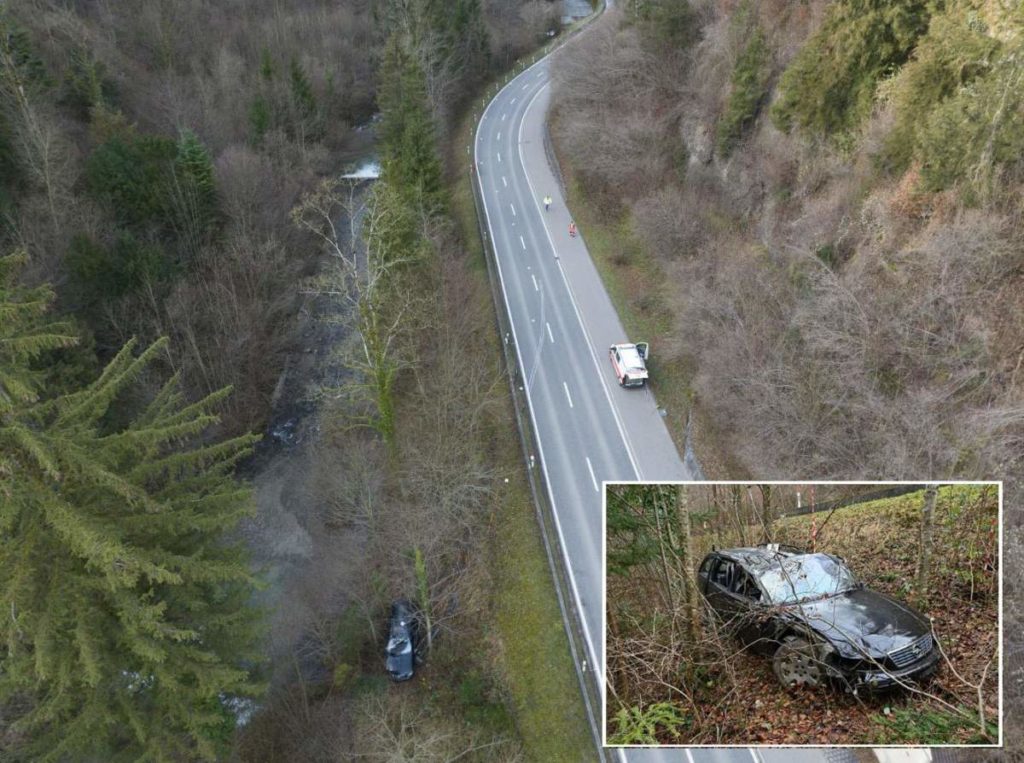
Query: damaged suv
(815, 619)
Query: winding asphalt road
(589, 429)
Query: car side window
(723, 573)
(745, 586)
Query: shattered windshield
(805, 577)
(398, 644)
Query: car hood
(863, 622)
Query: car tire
(796, 664)
(624, 381)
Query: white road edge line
(591, 470)
(572, 298)
(566, 388)
(540, 447)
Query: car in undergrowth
(816, 620)
(629, 362)
(402, 650)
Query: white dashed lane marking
(592, 477)
(566, 388)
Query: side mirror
(644, 349)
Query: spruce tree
(409, 152)
(128, 632)
(194, 192)
(25, 334)
(302, 91)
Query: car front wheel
(796, 664)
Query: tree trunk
(925, 551)
(686, 559)
(766, 512)
(737, 501)
(423, 589)
(663, 538)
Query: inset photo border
(803, 613)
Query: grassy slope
(528, 638)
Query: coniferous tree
(195, 197)
(127, 632)
(259, 119)
(303, 102)
(25, 333)
(408, 145)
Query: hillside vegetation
(169, 196)
(815, 211)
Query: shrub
(749, 87)
(100, 272)
(955, 51)
(830, 85)
(637, 725)
(968, 135)
(667, 24)
(131, 173)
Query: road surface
(589, 429)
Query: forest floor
(742, 703)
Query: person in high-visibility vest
(547, 203)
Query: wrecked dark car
(403, 641)
(819, 624)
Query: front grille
(912, 652)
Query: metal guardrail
(571, 617)
(515, 372)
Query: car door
(746, 597)
(734, 596)
(717, 588)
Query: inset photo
(784, 613)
